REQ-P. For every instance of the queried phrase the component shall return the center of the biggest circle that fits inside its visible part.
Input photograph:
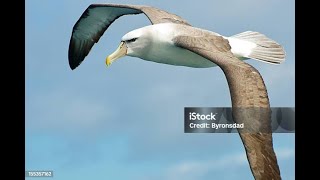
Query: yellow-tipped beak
(120, 52)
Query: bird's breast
(167, 53)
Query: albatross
(172, 40)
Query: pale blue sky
(126, 121)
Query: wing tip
(72, 65)
(73, 62)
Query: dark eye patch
(132, 40)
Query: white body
(154, 43)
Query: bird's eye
(132, 40)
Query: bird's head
(135, 43)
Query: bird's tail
(255, 45)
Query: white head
(135, 43)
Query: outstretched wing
(250, 103)
(96, 19)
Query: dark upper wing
(250, 103)
(96, 19)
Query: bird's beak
(120, 52)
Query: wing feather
(96, 19)
(250, 103)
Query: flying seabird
(172, 40)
